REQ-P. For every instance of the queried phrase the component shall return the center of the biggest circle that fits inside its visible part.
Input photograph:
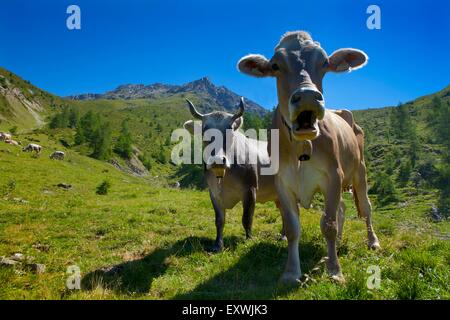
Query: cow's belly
(229, 192)
(230, 198)
(266, 189)
(232, 189)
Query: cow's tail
(357, 205)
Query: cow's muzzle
(306, 107)
(218, 165)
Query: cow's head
(212, 124)
(299, 65)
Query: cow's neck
(287, 145)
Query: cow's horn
(240, 112)
(194, 111)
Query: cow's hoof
(374, 244)
(282, 237)
(338, 278)
(290, 279)
(335, 272)
(215, 249)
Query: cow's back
(347, 115)
(339, 143)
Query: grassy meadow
(146, 241)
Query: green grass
(143, 241)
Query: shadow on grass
(254, 276)
(137, 275)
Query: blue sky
(147, 41)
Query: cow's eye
(275, 67)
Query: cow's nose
(220, 160)
(218, 165)
(217, 161)
(307, 98)
(307, 95)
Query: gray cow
(229, 180)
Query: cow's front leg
(329, 225)
(249, 209)
(220, 223)
(291, 226)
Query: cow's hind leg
(249, 209)
(329, 224)
(363, 205)
(220, 223)
(282, 231)
(341, 220)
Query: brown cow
(299, 65)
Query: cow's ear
(237, 124)
(347, 59)
(191, 125)
(255, 65)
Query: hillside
(377, 122)
(385, 144)
(23, 104)
(152, 113)
(212, 97)
(151, 123)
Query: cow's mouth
(218, 171)
(305, 126)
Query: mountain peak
(214, 97)
(204, 80)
